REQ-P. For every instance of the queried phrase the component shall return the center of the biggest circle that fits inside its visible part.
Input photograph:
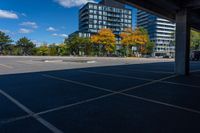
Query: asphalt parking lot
(97, 95)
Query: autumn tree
(137, 37)
(105, 39)
(141, 38)
(127, 40)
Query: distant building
(161, 31)
(105, 14)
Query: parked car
(195, 55)
(168, 56)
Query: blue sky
(41, 21)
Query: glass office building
(161, 31)
(105, 14)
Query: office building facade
(105, 14)
(161, 32)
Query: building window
(91, 16)
(100, 22)
(95, 7)
(100, 17)
(95, 21)
(100, 7)
(95, 16)
(90, 11)
(90, 6)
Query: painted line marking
(56, 109)
(144, 79)
(31, 113)
(104, 96)
(163, 103)
(180, 84)
(149, 83)
(76, 82)
(115, 75)
(81, 102)
(137, 97)
(111, 93)
(138, 70)
(6, 66)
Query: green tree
(4, 40)
(43, 50)
(53, 50)
(63, 50)
(149, 47)
(195, 40)
(86, 47)
(26, 46)
(73, 44)
(78, 45)
(8, 49)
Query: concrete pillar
(182, 65)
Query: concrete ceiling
(168, 8)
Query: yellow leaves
(94, 39)
(141, 37)
(131, 37)
(106, 38)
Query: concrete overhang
(168, 8)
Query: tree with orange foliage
(127, 40)
(106, 39)
(138, 37)
(141, 38)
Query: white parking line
(75, 82)
(163, 103)
(180, 84)
(31, 113)
(122, 92)
(149, 83)
(6, 66)
(80, 102)
(56, 109)
(139, 70)
(144, 79)
(133, 96)
(115, 75)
